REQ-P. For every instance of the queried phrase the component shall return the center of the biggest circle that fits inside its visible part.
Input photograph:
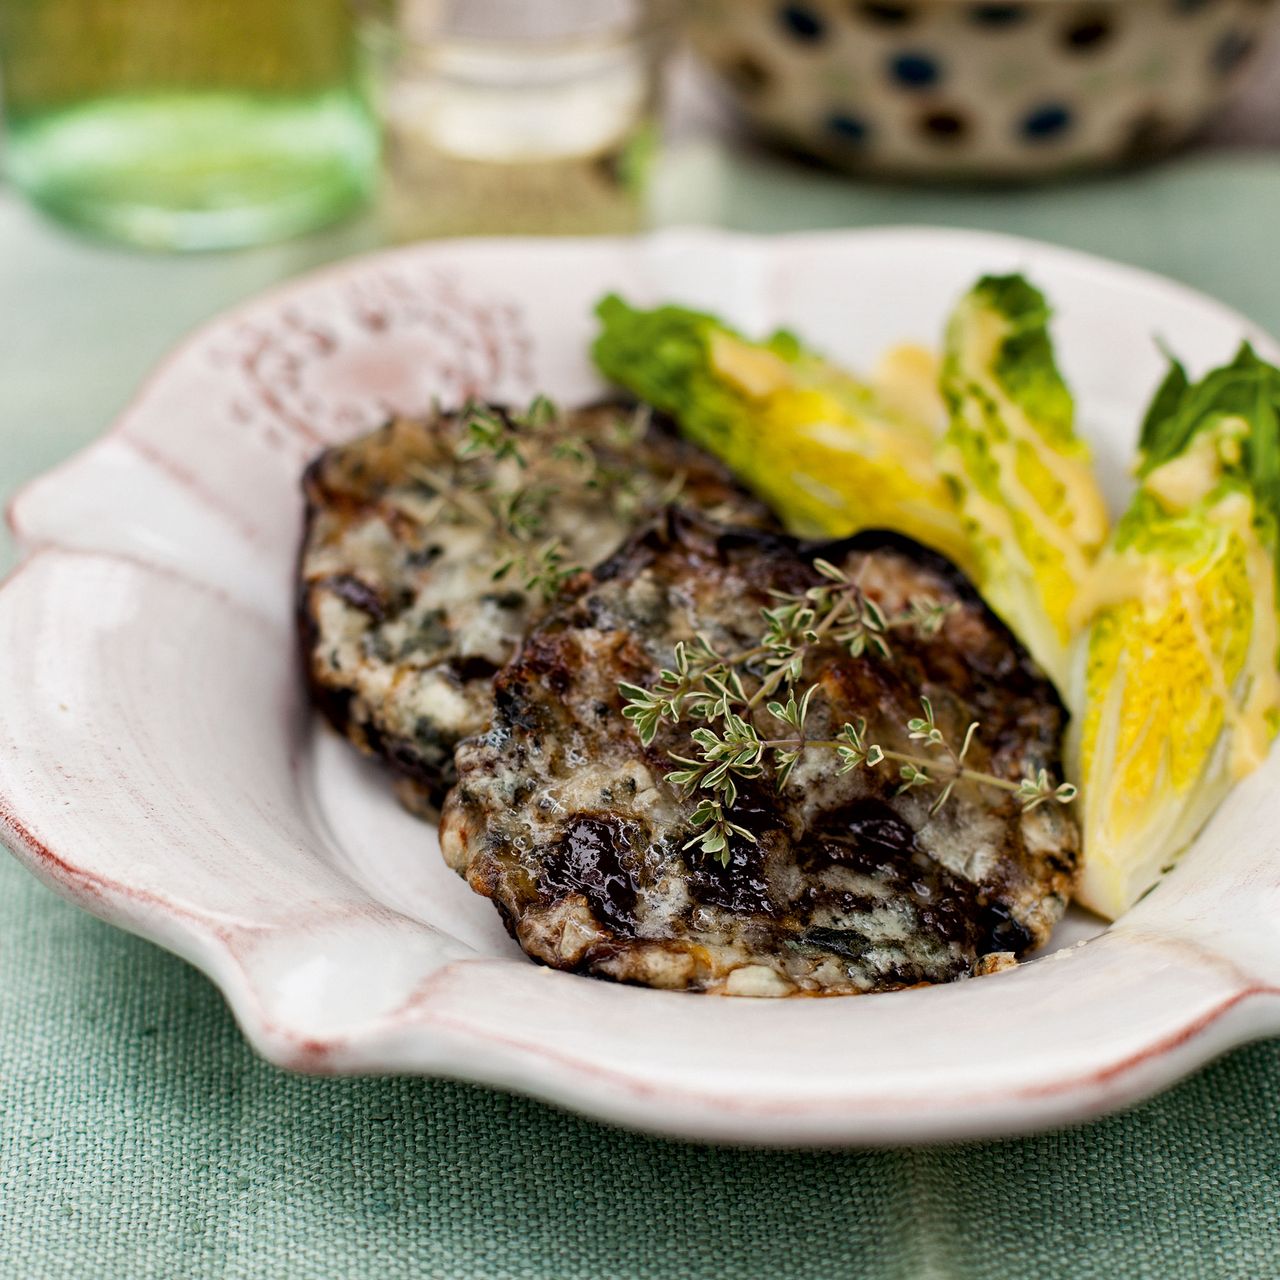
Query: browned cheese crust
(566, 821)
(403, 624)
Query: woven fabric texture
(139, 1137)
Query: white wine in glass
(187, 124)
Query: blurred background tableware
(961, 89)
(511, 117)
(187, 125)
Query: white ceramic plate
(158, 764)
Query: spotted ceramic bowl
(950, 88)
(159, 764)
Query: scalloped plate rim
(1247, 1007)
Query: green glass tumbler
(194, 125)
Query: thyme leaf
(495, 480)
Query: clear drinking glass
(187, 124)
(507, 116)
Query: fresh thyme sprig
(836, 611)
(485, 431)
(705, 685)
(738, 753)
(945, 768)
(698, 680)
(492, 478)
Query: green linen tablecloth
(140, 1137)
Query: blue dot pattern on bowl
(1046, 123)
(907, 42)
(1089, 34)
(802, 23)
(845, 127)
(1230, 51)
(887, 15)
(997, 15)
(914, 70)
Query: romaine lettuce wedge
(1175, 682)
(1020, 473)
(824, 449)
